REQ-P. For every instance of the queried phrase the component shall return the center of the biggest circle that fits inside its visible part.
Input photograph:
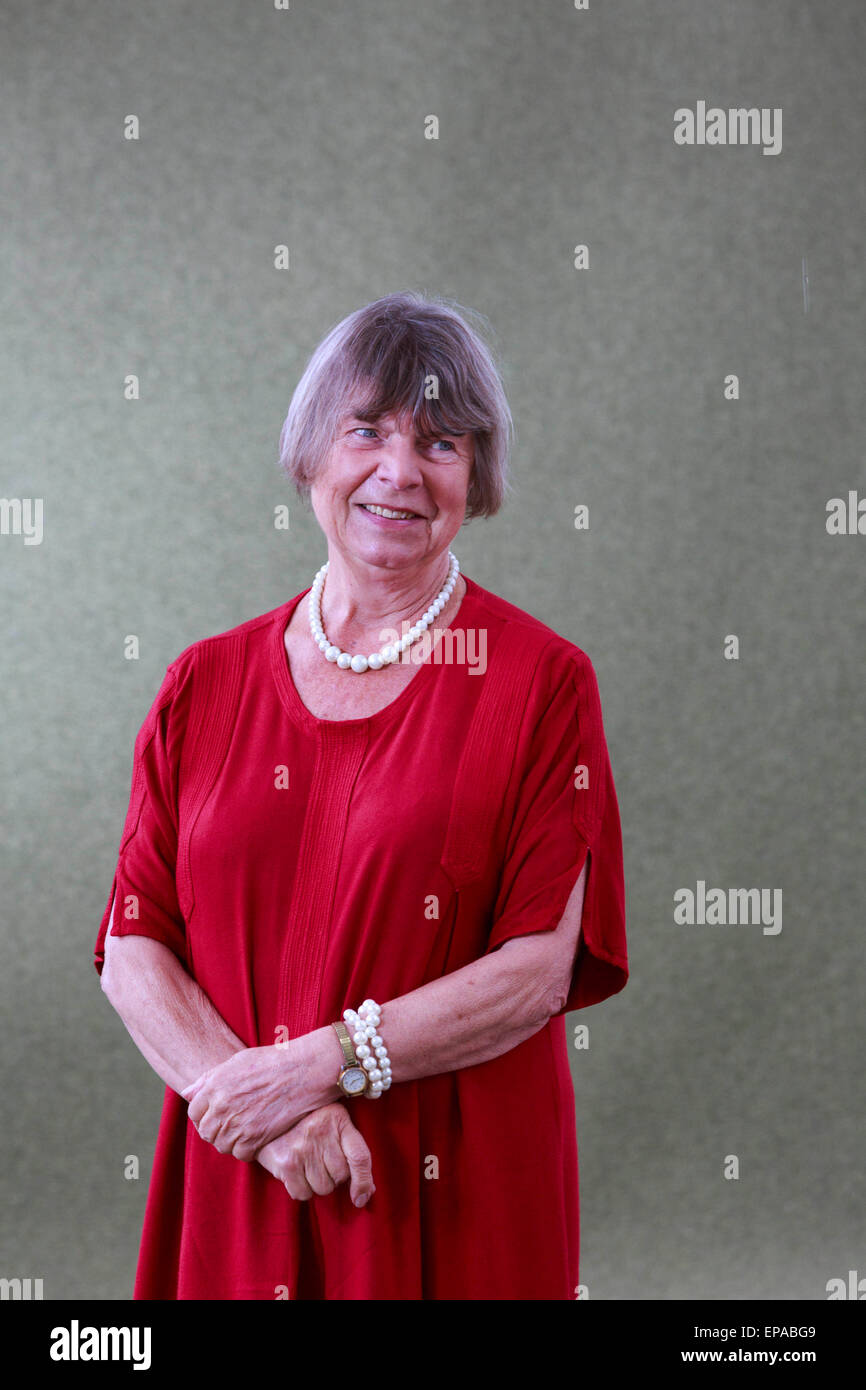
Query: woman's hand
(243, 1103)
(320, 1151)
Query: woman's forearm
(471, 1016)
(463, 1019)
(168, 1016)
(251, 1095)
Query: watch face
(353, 1080)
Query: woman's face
(384, 464)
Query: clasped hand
(248, 1100)
(253, 1105)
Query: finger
(197, 1108)
(299, 1189)
(360, 1162)
(335, 1160)
(217, 1132)
(244, 1149)
(317, 1174)
(295, 1182)
(209, 1128)
(194, 1085)
(229, 1139)
(206, 1132)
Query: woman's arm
(180, 1032)
(468, 1017)
(474, 1014)
(168, 1016)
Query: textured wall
(707, 515)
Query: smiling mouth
(389, 513)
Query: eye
(359, 429)
(448, 442)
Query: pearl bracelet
(363, 1024)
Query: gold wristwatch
(353, 1079)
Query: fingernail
(362, 1199)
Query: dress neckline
(295, 706)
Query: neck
(359, 602)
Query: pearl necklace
(376, 660)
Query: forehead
(402, 422)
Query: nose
(398, 462)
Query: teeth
(384, 511)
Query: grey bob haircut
(380, 361)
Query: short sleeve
(144, 880)
(567, 813)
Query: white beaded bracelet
(363, 1024)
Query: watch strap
(346, 1044)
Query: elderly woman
(372, 856)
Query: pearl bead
(376, 660)
(370, 1048)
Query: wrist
(319, 1064)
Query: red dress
(296, 866)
